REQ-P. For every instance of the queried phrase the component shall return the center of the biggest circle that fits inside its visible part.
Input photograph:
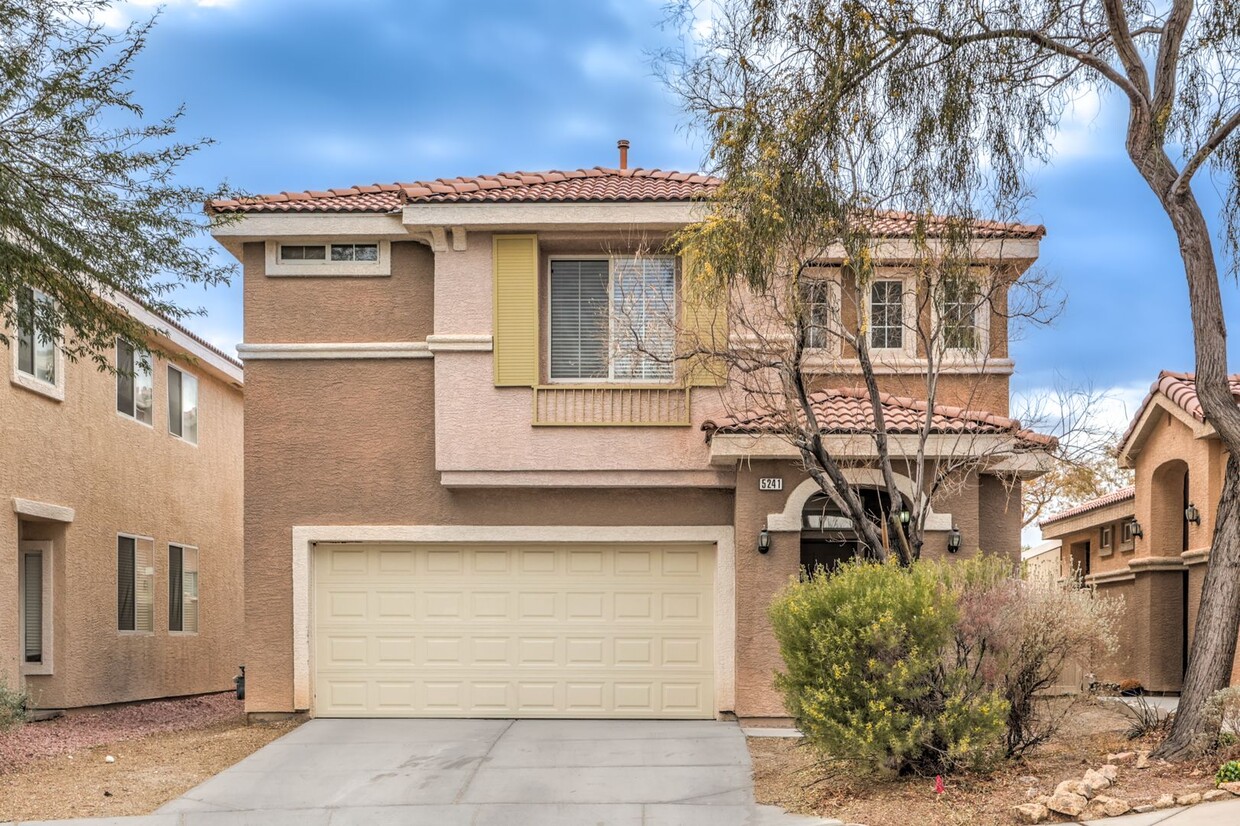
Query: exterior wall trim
(459, 343)
(790, 518)
(1196, 556)
(335, 350)
(724, 597)
(587, 478)
(42, 510)
(1122, 575)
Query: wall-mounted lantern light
(764, 541)
(1134, 528)
(953, 541)
(1191, 514)
(905, 516)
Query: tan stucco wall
(120, 476)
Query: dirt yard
(58, 769)
(788, 774)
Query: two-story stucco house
(120, 531)
(461, 502)
(1150, 542)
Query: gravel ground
(788, 774)
(161, 749)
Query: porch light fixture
(1135, 529)
(1191, 514)
(764, 541)
(905, 516)
(953, 541)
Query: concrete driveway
(478, 772)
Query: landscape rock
(1165, 802)
(1121, 757)
(1233, 787)
(1076, 787)
(1097, 780)
(1110, 772)
(1103, 806)
(1067, 803)
(1189, 799)
(1143, 760)
(1143, 809)
(1031, 812)
(1216, 794)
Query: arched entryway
(827, 534)
(1168, 537)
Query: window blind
(125, 583)
(32, 606)
(579, 315)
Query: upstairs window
(820, 304)
(182, 405)
(959, 300)
(887, 314)
(326, 252)
(135, 584)
(36, 355)
(183, 589)
(612, 319)
(134, 388)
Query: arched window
(828, 537)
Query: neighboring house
(461, 501)
(120, 531)
(1150, 542)
(1041, 562)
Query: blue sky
(309, 94)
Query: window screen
(135, 592)
(887, 315)
(644, 302)
(958, 307)
(32, 606)
(579, 319)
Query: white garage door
(513, 631)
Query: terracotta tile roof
(1113, 498)
(1181, 390)
(848, 410)
(597, 185)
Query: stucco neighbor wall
(120, 476)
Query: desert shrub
(867, 676)
(1229, 772)
(1147, 718)
(1222, 715)
(13, 705)
(1018, 636)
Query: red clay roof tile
(1181, 390)
(1113, 498)
(848, 410)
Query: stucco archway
(790, 518)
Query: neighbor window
(183, 589)
(35, 574)
(958, 303)
(134, 389)
(333, 252)
(1106, 537)
(1130, 531)
(612, 319)
(135, 584)
(887, 314)
(36, 355)
(182, 405)
(821, 312)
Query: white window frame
(1106, 540)
(981, 324)
(610, 379)
(908, 315)
(133, 417)
(328, 268)
(44, 549)
(198, 599)
(1128, 540)
(53, 390)
(829, 276)
(135, 631)
(198, 422)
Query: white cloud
(607, 61)
(121, 14)
(1082, 133)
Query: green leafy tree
(90, 207)
(820, 112)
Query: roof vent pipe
(623, 146)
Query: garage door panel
(536, 631)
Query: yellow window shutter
(704, 324)
(515, 342)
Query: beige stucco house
(461, 502)
(1150, 542)
(120, 524)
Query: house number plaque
(769, 483)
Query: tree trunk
(1214, 637)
